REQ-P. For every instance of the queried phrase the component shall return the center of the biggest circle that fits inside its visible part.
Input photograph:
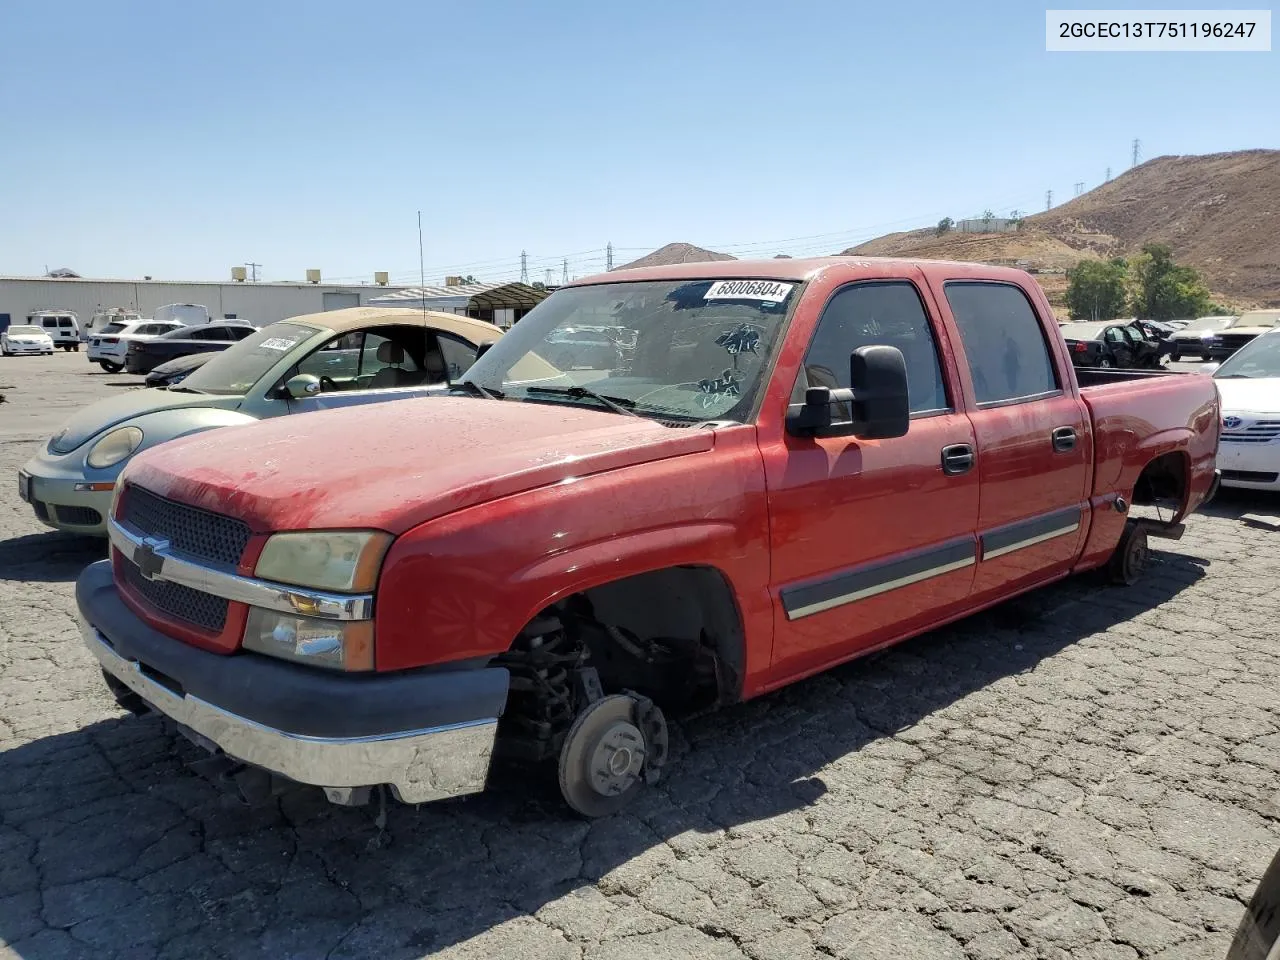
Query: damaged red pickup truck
(734, 476)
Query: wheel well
(1163, 482)
(673, 635)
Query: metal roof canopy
(492, 296)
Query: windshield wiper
(478, 390)
(177, 388)
(616, 404)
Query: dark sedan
(144, 356)
(1111, 344)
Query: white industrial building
(499, 303)
(257, 302)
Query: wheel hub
(617, 759)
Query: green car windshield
(685, 350)
(234, 371)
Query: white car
(25, 339)
(107, 349)
(1249, 391)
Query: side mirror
(302, 386)
(1208, 367)
(878, 400)
(482, 350)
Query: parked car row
(552, 539)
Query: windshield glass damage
(678, 349)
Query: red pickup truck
(751, 472)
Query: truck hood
(1249, 394)
(400, 464)
(93, 419)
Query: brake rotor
(602, 761)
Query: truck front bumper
(427, 735)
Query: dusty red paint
(502, 508)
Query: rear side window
(238, 333)
(1003, 341)
(869, 314)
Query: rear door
(871, 539)
(1033, 436)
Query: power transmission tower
(1048, 199)
(524, 266)
(1137, 150)
(253, 270)
(548, 276)
(1108, 174)
(608, 256)
(1079, 187)
(564, 266)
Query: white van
(62, 326)
(99, 321)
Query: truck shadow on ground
(52, 557)
(110, 844)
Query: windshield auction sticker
(767, 291)
(277, 343)
(1120, 31)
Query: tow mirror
(877, 400)
(302, 386)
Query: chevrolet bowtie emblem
(147, 557)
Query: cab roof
(351, 318)
(797, 270)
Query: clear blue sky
(178, 139)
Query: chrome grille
(201, 609)
(1261, 431)
(189, 530)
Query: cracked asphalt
(1085, 772)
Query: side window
(458, 357)
(1113, 335)
(379, 353)
(239, 333)
(213, 334)
(870, 314)
(338, 358)
(1008, 357)
(66, 322)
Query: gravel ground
(1085, 773)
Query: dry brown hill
(676, 253)
(1219, 213)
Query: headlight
(114, 447)
(338, 645)
(344, 560)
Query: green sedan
(333, 359)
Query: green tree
(1162, 290)
(944, 225)
(987, 217)
(1096, 290)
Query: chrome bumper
(418, 765)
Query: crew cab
(803, 461)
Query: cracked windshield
(680, 350)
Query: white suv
(107, 349)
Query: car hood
(93, 419)
(1249, 394)
(401, 464)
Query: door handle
(957, 458)
(1064, 439)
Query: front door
(1034, 439)
(871, 539)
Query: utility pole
(608, 256)
(422, 268)
(1137, 150)
(253, 268)
(564, 268)
(524, 266)
(1108, 174)
(1079, 187)
(1048, 199)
